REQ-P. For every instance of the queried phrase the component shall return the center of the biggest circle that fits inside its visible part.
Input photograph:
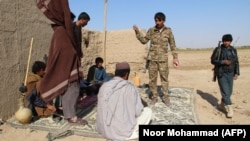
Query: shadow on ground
(212, 100)
(208, 97)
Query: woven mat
(181, 111)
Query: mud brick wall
(21, 21)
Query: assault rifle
(147, 62)
(217, 58)
(146, 65)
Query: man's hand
(51, 107)
(136, 29)
(176, 63)
(235, 76)
(227, 62)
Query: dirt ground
(194, 72)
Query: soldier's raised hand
(136, 29)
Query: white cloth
(119, 105)
(143, 119)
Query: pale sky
(195, 23)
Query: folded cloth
(60, 135)
(87, 101)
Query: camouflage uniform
(158, 56)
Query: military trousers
(226, 87)
(156, 67)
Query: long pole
(104, 30)
(28, 62)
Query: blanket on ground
(180, 112)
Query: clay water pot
(23, 114)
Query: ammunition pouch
(228, 68)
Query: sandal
(79, 121)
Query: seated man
(88, 93)
(89, 88)
(41, 108)
(97, 72)
(96, 76)
(32, 99)
(120, 110)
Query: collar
(159, 30)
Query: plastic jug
(136, 80)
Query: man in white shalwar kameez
(119, 109)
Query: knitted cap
(227, 37)
(122, 65)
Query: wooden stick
(28, 63)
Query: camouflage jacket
(159, 41)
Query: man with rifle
(225, 59)
(215, 69)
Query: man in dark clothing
(62, 71)
(82, 21)
(226, 63)
(96, 77)
(97, 72)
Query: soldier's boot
(229, 110)
(165, 98)
(166, 101)
(154, 100)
